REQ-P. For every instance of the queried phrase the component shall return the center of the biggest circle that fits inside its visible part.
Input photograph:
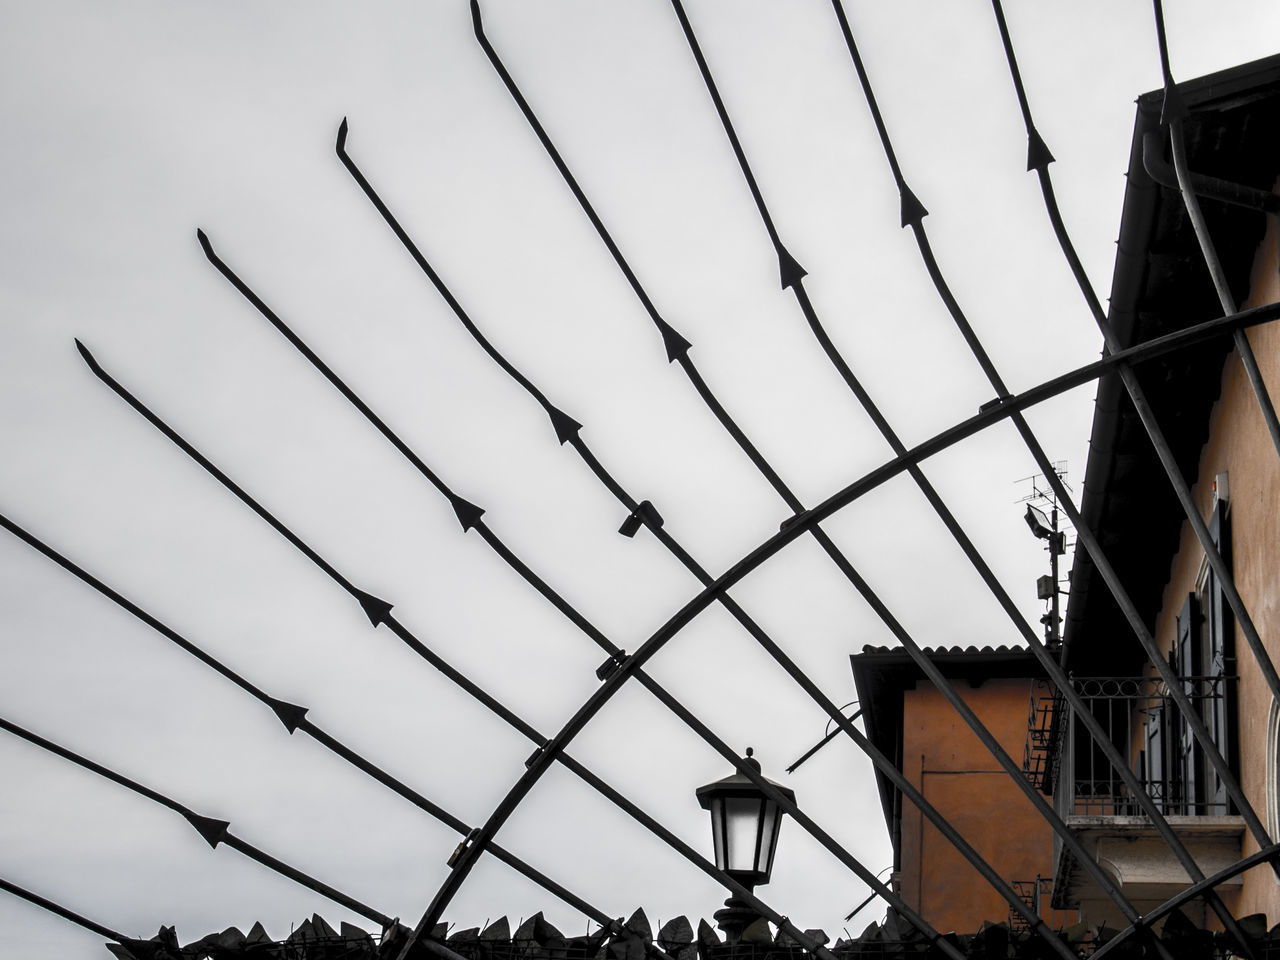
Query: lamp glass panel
(717, 830)
(743, 827)
(769, 837)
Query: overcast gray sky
(127, 125)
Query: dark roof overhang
(1160, 284)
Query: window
(1179, 775)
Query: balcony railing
(1143, 723)
(1045, 730)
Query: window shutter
(1186, 776)
(1220, 658)
(1154, 755)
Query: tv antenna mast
(1043, 521)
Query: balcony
(1143, 723)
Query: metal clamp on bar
(790, 522)
(991, 404)
(610, 666)
(466, 842)
(533, 757)
(645, 513)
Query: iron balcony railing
(1145, 726)
(1042, 753)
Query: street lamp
(744, 830)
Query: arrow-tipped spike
(913, 211)
(88, 358)
(677, 346)
(205, 245)
(789, 268)
(565, 426)
(1038, 155)
(476, 22)
(375, 608)
(290, 714)
(341, 144)
(213, 831)
(468, 513)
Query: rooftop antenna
(1042, 519)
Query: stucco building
(910, 722)
(1212, 420)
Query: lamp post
(744, 830)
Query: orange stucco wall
(1240, 446)
(944, 759)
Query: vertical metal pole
(1053, 634)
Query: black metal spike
(677, 346)
(789, 268)
(1038, 155)
(913, 211)
(565, 426)
(290, 714)
(213, 831)
(88, 358)
(467, 512)
(375, 608)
